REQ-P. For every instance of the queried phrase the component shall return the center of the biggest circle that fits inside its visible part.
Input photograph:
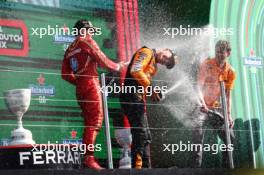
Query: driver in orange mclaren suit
(141, 69)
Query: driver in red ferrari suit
(79, 68)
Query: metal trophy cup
(124, 139)
(18, 101)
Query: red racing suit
(79, 67)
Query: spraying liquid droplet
(175, 86)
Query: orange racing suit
(139, 73)
(208, 78)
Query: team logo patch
(74, 64)
(138, 63)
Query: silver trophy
(18, 101)
(124, 139)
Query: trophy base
(125, 161)
(124, 139)
(21, 136)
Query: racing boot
(90, 162)
(138, 161)
(88, 139)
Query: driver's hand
(231, 122)
(204, 109)
(122, 65)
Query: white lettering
(23, 156)
(37, 158)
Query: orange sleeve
(229, 84)
(142, 58)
